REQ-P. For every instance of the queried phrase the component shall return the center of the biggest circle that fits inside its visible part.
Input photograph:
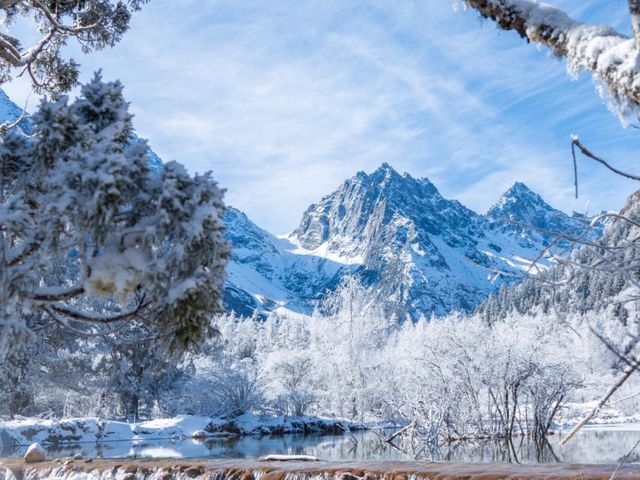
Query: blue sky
(283, 100)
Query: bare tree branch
(8, 126)
(56, 295)
(629, 371)
(575, 142)
(624, 460)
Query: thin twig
(575, 142)
(624, 460)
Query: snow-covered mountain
(423, 254)
(10, 113)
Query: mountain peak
(516, 200)
(385, 169)
(519, 189)
(381, 174)
(379, 208)
(520, 206)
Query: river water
(604, 444)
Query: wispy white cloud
(284, 99)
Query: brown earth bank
(260, 470)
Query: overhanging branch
(610, 56)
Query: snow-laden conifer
(89, 235)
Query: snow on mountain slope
(266, 273)
(10, 113)
(423, 254)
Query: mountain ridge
(420, 253)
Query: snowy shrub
(236, 390)
(294, 374)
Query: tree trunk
(131, 404)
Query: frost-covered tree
(94, 24)
(353, 314)
(78, 197)
(348, 360)
(136, 370)
(226, 374)
(16, 373)
(604, 274)
(293, 373)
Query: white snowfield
(26, 431)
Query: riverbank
(24, 431)
(252, 470)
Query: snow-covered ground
(25, 431)
(608, 418)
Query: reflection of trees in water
(600, 446)
(589, 446)
(522, 449)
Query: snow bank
(289, 458)
(25, 431)
(608, 418)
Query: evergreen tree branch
(90, 317)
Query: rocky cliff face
(423, 254)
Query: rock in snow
(35, 453)
(199, 435)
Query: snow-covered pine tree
(77, 196)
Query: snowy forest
(113, 271)
(537, 363)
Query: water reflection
(589, 446)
